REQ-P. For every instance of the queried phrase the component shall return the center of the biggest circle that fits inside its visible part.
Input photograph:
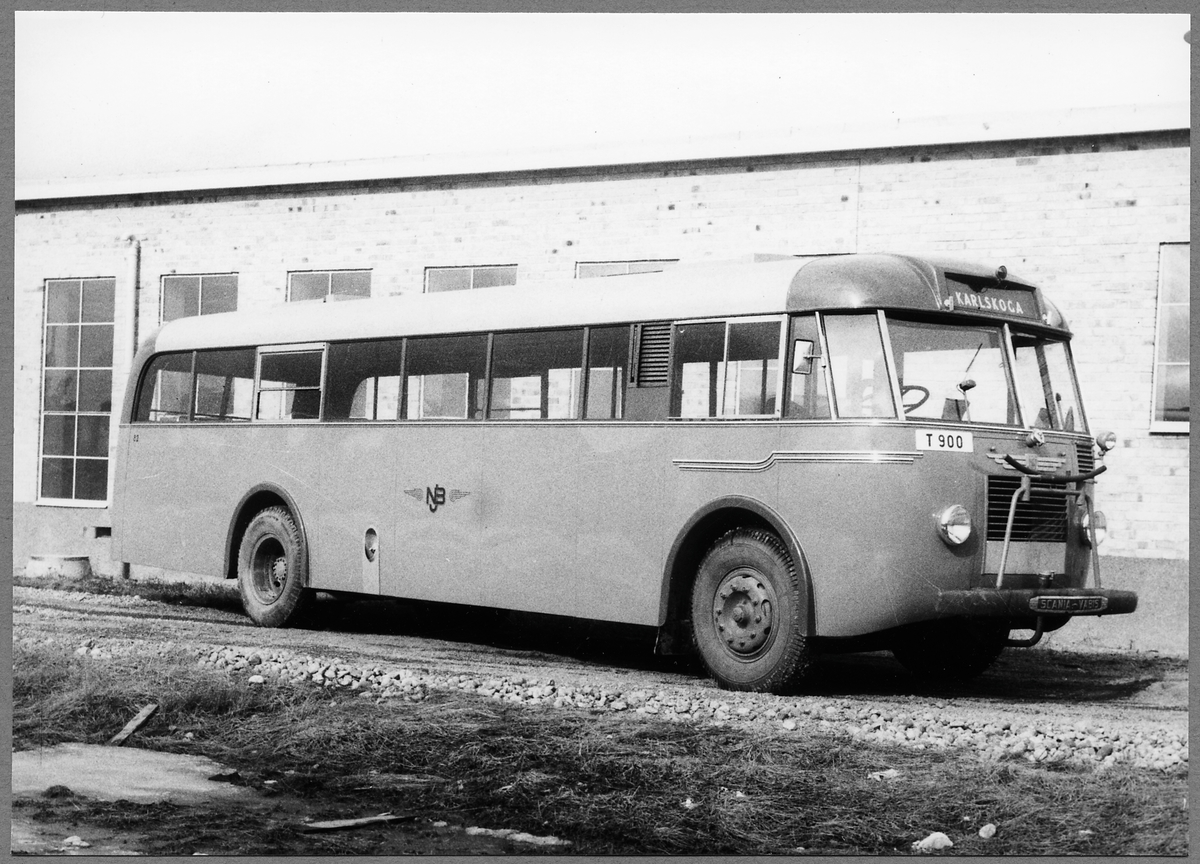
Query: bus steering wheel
(906, 388)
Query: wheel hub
(743, 611)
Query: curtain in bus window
(363, 380)
(166, 390)
(289, 386)
(751, 369)
(608, 352)
(1048, 397)
(856, 363)
(444, 377)
(224, 384)
(536, 375)
(807, 399)
(951, 372)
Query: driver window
(807, 399)
(856, 363)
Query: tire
(273, 569)
(748, 611)
(953, 650)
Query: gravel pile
(1083, 742)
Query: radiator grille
(1085, 457)
(654, 354)
(1043, 518)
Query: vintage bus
(763, 460)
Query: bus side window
(289, 386)
(363, 380)
(166, 390)
(224, 384)
(608, 352)
(444, 377)
(536, 375)
(726, 369)
(807, 397)
(861, 386)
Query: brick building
(1092, 205)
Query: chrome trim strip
(859, 457)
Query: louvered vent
(1085, 457)
(654, 354)
(1043, 518)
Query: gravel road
(1044, 706)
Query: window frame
(298, 348)
(328, 274)
(162, 293)
(781, 358)
(471, 269)
(1167, 427)
(626, 262)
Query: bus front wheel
(951, 650)
(748, 605)
(271, 565)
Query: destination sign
(996, 301)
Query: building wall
(1083, 217)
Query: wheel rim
(744, 612)
(268, 569)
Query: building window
(183, 296)
(465, 278)
(322, 284)
(1172, 401)
(591, 269)
(77, 389)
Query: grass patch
(609, 784)
(211, 594)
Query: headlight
(1101, 527)
(1106, 441)
(954, 525)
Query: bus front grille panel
(654, 354)
(1042, 519)
(1085, 457)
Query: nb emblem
(435, 496)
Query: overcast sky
(100, 94)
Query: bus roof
(687, 291)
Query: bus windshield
(1049, 399)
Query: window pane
(95, 390)
(291, 369)
(649, 266)
(951, 372)
(181, 297)
(444, 377)
(608, 353)
(856, 363)
(1173, 330)
(165, 390)
(699, 358)
(59, 393)
(58, 435)
(351, 283)
(1176, 272)
(93, 436)
(1172, 397)
(355, 370)
(62, 345)
(308, 286)
(751, 369)
(1043, 373)
(447, 279)
(58, 478)
(91, 479)
(224, 384)
(807, 399)
(62, 301)
(489, 277)
(219, 294)
(606, 268)
(536, 375)
(98, 299)
(96, 345)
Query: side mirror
(803, 356)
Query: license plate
(1068, 605)
(939, 439)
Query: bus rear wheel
(748, 608)
(951, 650)
(271, 569)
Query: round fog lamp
(954, 525)
(1101, 527)
(1106, 441)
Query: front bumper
(1032, 602)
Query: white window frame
(162, 291)
(328, 274)
(471, 269)
(298, 348)
(1164, 427)
(626, 262)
